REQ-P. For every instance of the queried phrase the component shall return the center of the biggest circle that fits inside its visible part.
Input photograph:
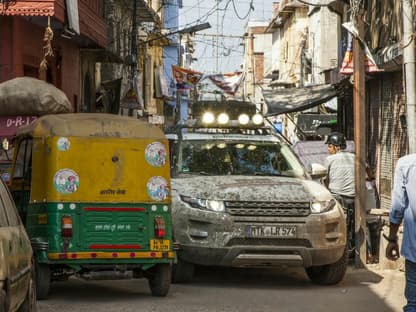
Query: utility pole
(134, 54)
(218, 31)
(178, 110)
(188, 30)
(360, 143)
(409, 69)
(252, 65)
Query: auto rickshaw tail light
(66, 226)
(159, 227)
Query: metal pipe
(409, 69)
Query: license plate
(271, 231)
(159, 245)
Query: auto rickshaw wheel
(43, 280)
(159, 279)
(29, 305)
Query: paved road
(236, 290)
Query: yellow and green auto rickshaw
(93, 190)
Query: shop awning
(27, 8)
(288, 100)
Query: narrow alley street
(237, 290)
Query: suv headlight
(322, 206)
(214, 205)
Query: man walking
(404, 209)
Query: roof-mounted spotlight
(208, 118)
(243, 119)
(223, 118)
(257, 119)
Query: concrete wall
(324, 35)
(294, 31)
(276, 47)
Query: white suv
(243, 199)
(17, 285)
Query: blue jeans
(410, 291)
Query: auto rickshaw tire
(3, 301)
(329, 274)
(182, 271)
(43, 280)
(159, 279)
(29, 304)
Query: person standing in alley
(340, 179)
(340, 165)
(403, 209)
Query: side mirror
(318, 171)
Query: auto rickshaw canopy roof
(91, 125)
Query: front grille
(268, 209)
(287, 242)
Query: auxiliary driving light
(208, 118)
(243, 119)
(223, 118)
(257, 119)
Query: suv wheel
(29, 305)
(182, 272)
(3, 305)
(329, 274)
(43, 280)
(159, 279)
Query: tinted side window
(9, 206)
(23, 159)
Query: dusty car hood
(250, 188)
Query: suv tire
(43, 281)
(29, 304)
(159, 279)
(182, 271)
(329, 274)
(3, 303)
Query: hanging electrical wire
(313, 4)
(248, 13)
(355, 8)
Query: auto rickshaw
(93, 190)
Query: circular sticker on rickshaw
(155, 154)
(66, 181)
(157, 188)
(63, 144)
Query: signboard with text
(10, 124)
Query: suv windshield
(238, 158)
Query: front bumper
(261, 256)
(210, 238)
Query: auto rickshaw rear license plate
(159, 245)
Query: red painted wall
(21, 51)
